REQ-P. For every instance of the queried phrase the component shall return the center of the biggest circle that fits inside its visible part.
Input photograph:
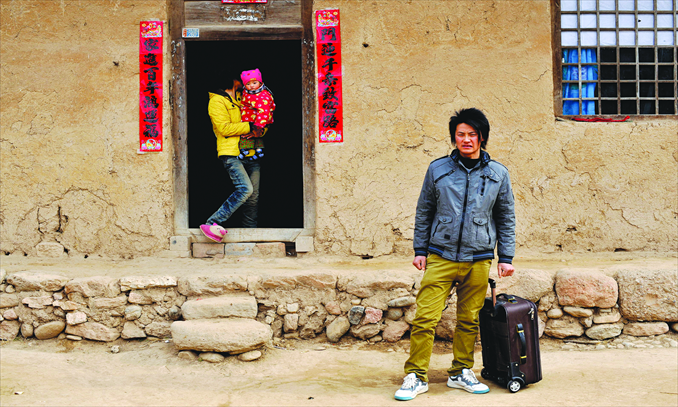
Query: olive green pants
(438, 280)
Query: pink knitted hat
(249, 75)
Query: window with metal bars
(616, 57)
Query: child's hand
(247, 136)
(257, 131)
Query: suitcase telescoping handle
(493, 287)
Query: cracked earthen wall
(69, 132)
(408, 65)
(70, 169)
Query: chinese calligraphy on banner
(329, 76)
(150, 86)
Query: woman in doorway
(225, 112)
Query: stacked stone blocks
(235, 313)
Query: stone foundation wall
(379, 306)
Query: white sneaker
(467, 381)
(412, 386)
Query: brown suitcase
(509, 334)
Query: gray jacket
(462, 214)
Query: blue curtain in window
(571, 73)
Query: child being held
(257, 108)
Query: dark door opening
(281, 189)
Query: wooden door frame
(179, 126)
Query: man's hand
(505, 269)
(419, 262)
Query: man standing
(465, 209)
(224, 111)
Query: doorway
(281, 200)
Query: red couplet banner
(243, 1)
(150, 86)
(328, 43)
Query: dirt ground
(313, 373)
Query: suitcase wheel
(514, 386)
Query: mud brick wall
(377, 306)
(71, 175)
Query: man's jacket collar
(484, 157)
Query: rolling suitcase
(509, 335)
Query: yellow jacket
(225, 115)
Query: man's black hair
(474, 118)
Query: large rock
(648, 295)
(249, 356)
(142, 283)
(578, 312)
(10, 314)
(68, 305)
(366, 331)
(586, 288)
(26, 330)
(563, 327)
(94, 331)
(372, 315)
(234, 335)
(606, 316)
(646, 328)
(151, 295)
(98, 286)
(75, 318)
(36, 281)
(220, 307)
(211, 357)
(108, 303)
(159, 329)
(291, 322)
(400, 302)
(211, 285)
(38, 302)
(9, 330)
(49, 330)
(527, 283)
(319, 280)
(131, 331)
(365, 285)
(337, 328)
(395, 330)
(382, 298)
(133, 312)
(355, 314)
(604, 331)
(9, 300)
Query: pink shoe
(214, 232)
